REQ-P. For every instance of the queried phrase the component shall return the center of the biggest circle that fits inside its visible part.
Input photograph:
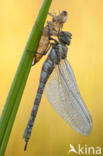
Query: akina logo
(84, 149)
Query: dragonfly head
(65, 37)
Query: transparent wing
(62, 92)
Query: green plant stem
(19, 82)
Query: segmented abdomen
(56, 54)
(45, 73)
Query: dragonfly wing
(62, 92)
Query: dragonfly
(58, 80)
(52, 28)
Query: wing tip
(87, 132)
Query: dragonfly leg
(52, 14)
(35, 52)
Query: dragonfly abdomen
(45, 73)
(56, 54)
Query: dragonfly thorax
(58, 52)
(65, 37)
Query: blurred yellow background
(51, 135)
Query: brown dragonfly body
(52, 28)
